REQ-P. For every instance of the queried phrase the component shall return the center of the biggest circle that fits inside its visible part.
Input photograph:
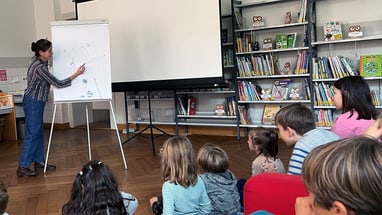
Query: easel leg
(119, 138)
(88, 130)
(50, 138)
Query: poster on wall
(77, 43)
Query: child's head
(263, 141)
(345, 174)
(212, 158)
(3, 197)
(353, 93)
(293, 121)
(95, 190)
(178, 161)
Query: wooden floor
(45, 194)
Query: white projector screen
(160, 44)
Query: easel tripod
(88, 131)
(149, 126)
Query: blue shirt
(185, 200)
(306, 144)
(39, 80)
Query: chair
(273, 192)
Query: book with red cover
(191, 105)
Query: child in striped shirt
(296, 126)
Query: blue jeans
(33, 147)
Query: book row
(228, 57)
(332, 67)
(227, 108)
(280, 41)
(281, 90)
(323, 117)
(268, 64)
(268, 116)
(323, 94)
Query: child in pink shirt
(352, 96)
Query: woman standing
(39, 80)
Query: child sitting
(343, 177)
(265, 145)
(220, 182)
(183, 191)
(296, 126)
(95, 191)
(352, 96)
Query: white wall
(17, 28)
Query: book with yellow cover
(269, 113)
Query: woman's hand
(79, 71)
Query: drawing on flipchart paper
(93, 58)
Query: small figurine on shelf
(257, 21)
(288, 18)
(266, 94)
(255, 46)
(294, 94)
(286, 70)
(219, 110)
(355, 31)
(267, 44)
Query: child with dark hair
(3, 198)
(95, 191)
(296, 126)
(352, 96)
(219, 180)
(265, 145)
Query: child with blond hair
(183, 191)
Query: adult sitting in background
(343, 177)
(95, 191)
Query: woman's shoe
(39, 166)
(22, 171)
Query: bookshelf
(262, 64)
(349, 48)
(137, 112)
(204, 114)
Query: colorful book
(332, 30)
(370, 65)
(281, 41)
(280, 89)
(291, 40)
(191, 105)
(269, 113)
(244, 118)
